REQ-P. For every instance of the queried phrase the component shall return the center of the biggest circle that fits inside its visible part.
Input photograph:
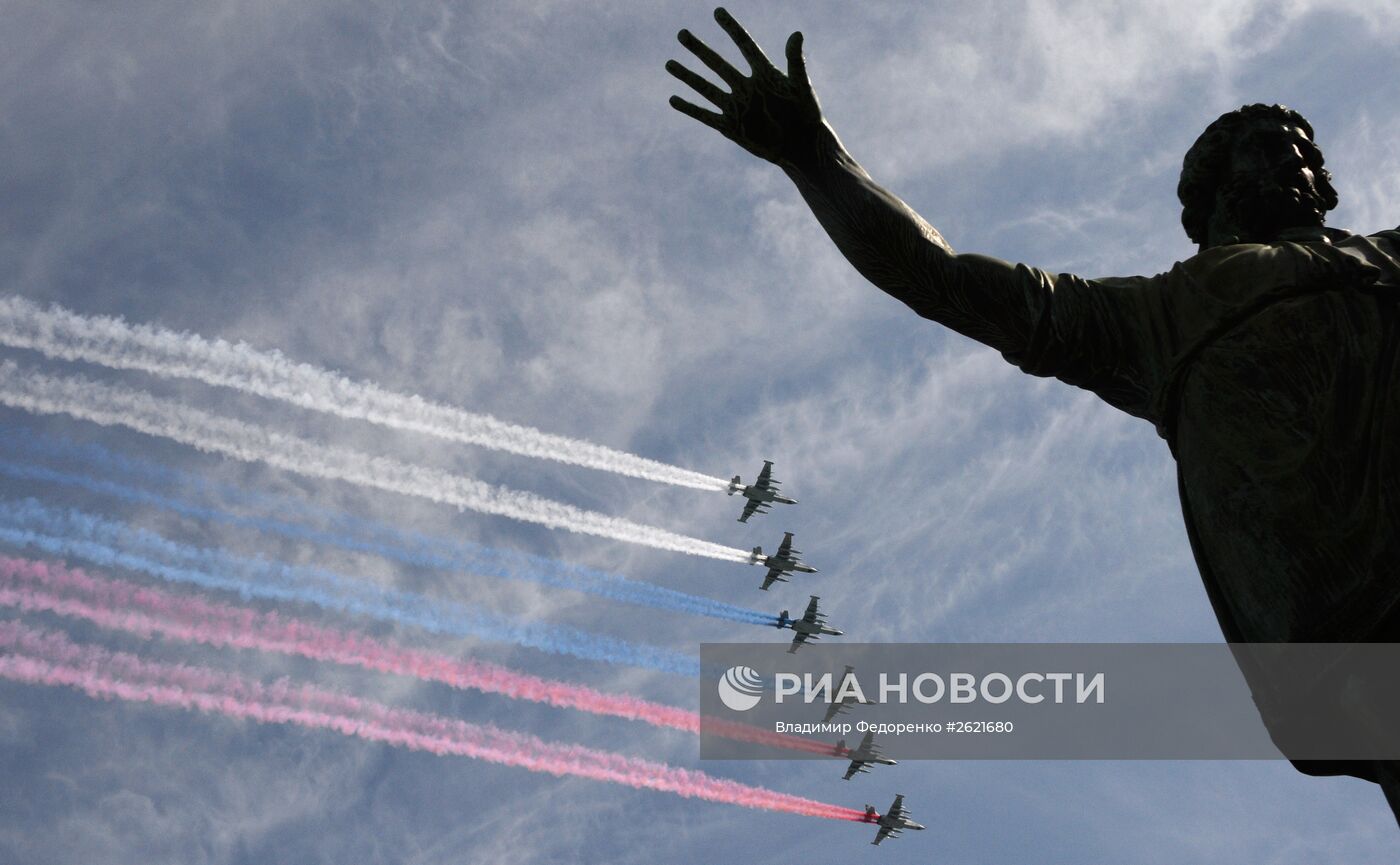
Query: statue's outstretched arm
(776, 116)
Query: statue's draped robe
(1273, 371)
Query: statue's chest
(1304, 382)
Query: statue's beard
(1257, 208)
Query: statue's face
(1276, 182)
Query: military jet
(761, 494)
(893, 821)
(784, 561)
(811, 626)
(862, 757)
(837, 707)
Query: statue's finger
(733, 77)
(700, 85)
(797, 64)
(749, 48)
(709, 118)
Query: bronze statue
(1269, 361)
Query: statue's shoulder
(1260, 266)
(1210, 285)
(1389, 240)
(1224, 269)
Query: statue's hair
(1207, 163)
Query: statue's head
(1253, 174)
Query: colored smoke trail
(39, 657)
(75, 534)
(112, 342)
(41, 586)
(114, 405)
(421, 551)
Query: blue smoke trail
(356, 535)
(73, 533)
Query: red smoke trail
(33, 585)
(47, 658)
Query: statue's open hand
(769, 114)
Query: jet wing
(884, 833)
(765, 476)
(775, 575)
(897, 808)
(856, 767)
(785, 548)
(812, 616)
(751, 507)
(863, 756)
(798, 639)
(834, 709)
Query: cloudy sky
(491, 205)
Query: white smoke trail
(112, 342)
(112, 405)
